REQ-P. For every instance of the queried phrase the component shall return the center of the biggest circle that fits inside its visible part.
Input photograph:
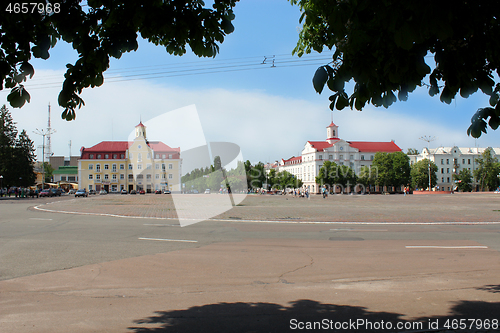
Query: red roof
(320, 145)
(331, 125)
(141, 124)
(109, 146)
(368, 147)
(159, 146)
(293, 159)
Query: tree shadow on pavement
(270, 317)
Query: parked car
(167, 192)
(207, 191)
(55, 192)
(102, 192)
(142, 192)
(157, 192)
(72, 191)
(45, 193)
(81, 193)
(133, 192)
(124, 191)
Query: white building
(450, 161)
(355, 154)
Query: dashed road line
(169, 240)
(445, 247)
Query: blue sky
(270, 112)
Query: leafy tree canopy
(99, 30)
(420, 174)
(382, 44)
(391, 169)
(488, 170)
(464, 180)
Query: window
(157, 156)
(106, 156)
(98, 167)
(98, 156)
(131, 167)
(442, 171)
(106, 177)
(164, 156)
(171, 166)
(91, 156)
(447, 171)
(362, 157)
(106, 166)
(115, 156)
(148, 176)
(351, 157)
(148, 166)
(463, 161)
(170, 156)
(330, 157)
(122, 166)
(130, 155)
(130, 177)
(157, 166)
(149, 156)
(113, 176)
(341, 157)
(91, 177)
(139, 157)
(63, 178)
(157, 176)
(113, 168)
(91, 166)
(98, 177)
(139, 166)
(163, 176)
(71, 178)
(122, 156)
(371, 157)
(468, 161)
(163, 167)
(122, 176)
(447, 179)
(320, 157)
(447, 161)
(140, 176)
(442, 161)
(90, 187)
(442, 179)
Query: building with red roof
(130, 165)
(355, 154)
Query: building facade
(450, 161)
(355, 154)
(137, 165)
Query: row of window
(122, 156)
(130, 167)
(455, 161)
(341, 157)
(70, 178)
(130, 176)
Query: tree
(367, 176)
(464, 180)
(256, 175)
(98, 30)
(287, 180)
(420, 174)
(24, 157)
(49, 171)
(331, 174)
(488, 170)
(412, 151)
(17, 153)
(383, 45)
(392, 169)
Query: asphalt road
(253, 268)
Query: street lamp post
(428, 139)
(1, 185)
(43, 134)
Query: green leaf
(319, 79)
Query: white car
(207, 191)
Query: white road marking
(40, 219)
(349, 230)
(169, 240)
(445, 247)
(161, 225)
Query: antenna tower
(48, 151)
